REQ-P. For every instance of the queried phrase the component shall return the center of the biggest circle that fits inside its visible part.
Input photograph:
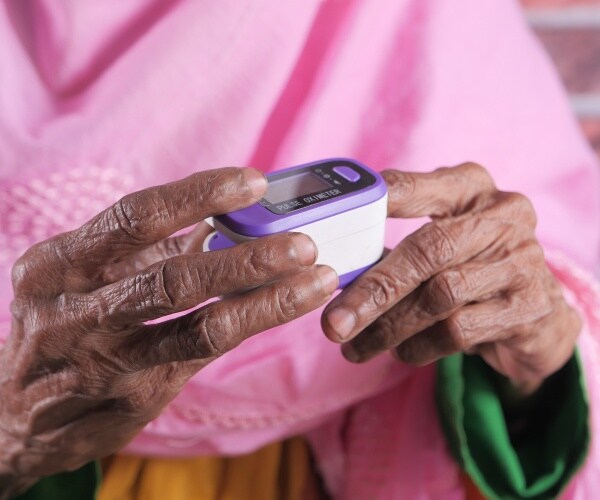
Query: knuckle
(516, 209)
(214, 332)
(445, 291)
(293, 245)
(457, 326)
(125, 217)
(205, 342)
(534, 254)
(543, 304)
(538, 253)
(431, 248)
(19, 308)
(402, 184)
(224, 185)
(381, 288)
(286, 304)
(184, 278)
(532, 303)
(520, 276)
(160, 283)
(132, 215)
(74, 312)
(523, 206)
(522, 265)
(172, 247)
(476, 173)
(20, 274)
(519, 200)
(261, 258)
(41, 260)
(150, 289)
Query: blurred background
(570, 31)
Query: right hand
(82, 372)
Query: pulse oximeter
(340, 203)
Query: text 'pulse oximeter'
(340, 203)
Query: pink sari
(98, 99)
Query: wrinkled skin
(81, 373)
(472, 280)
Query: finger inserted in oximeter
(340, 203)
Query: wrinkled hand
(472, 280)
(82, 373)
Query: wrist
(526, 404)
(13, 480)
(514, 392)
(11, 485)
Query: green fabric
(510, 451)
(81, 484)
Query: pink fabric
(583, 292)
(99, 98)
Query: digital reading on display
(294, 187)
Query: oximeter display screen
(294, 186)
(314, 184)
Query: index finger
(220, 326)
(148, 216)
(429, 250)
(441, 193)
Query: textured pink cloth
(100, 98)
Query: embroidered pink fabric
(100, 98)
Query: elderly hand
(82, 373)
(472, 280)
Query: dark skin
(472, 280)
(81, 373)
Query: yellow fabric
(280, 471)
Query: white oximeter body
(340, 203)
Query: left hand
(472, 280)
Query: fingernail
(256, 181)
(306, 249)
(329, 278)
(342, 320)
